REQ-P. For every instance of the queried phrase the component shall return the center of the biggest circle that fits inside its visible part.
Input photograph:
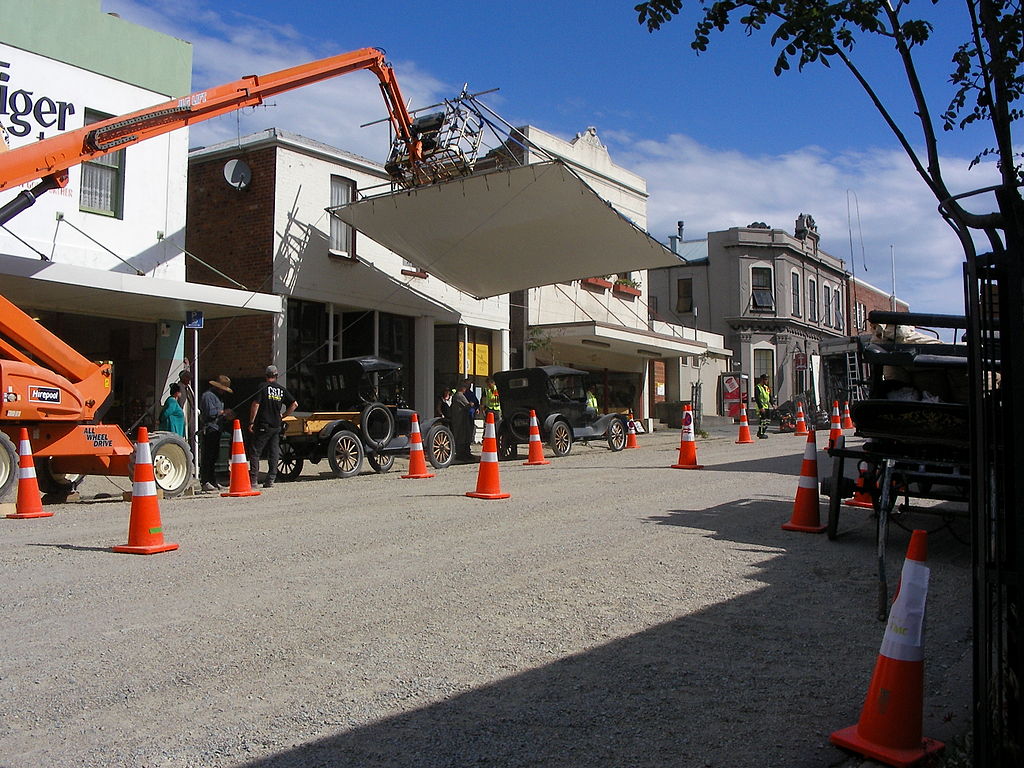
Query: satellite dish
(237, 173)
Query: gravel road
(613, 612)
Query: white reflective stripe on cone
(807, 482)
(24, 448)
(144, 488)
(904, 633)
(488, 456)
(810, 451)
(24, 473)
(142, 455)
(239, 458)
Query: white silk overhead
(507, 230)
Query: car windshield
(567, 388)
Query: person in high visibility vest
(591, 400)
(763, 400)
(490, 400)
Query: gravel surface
(613, 612)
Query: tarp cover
(507, 230)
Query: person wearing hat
(212, 418)
(270, 403)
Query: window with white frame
(826, 294)
(796, 294)
(861, 316)
(762, 294)
(343, 237)
(840, 323)
(764, 363)
(812, 300)
(102, 179)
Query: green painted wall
(79, 32)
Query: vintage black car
(558, 395)
(361, 413)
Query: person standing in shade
(212, 418)
(491, 402)
(172, 417)
(463, 426)
(271, 403)
(474, 408)
(763, 400)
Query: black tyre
(8, 466)
(289, 466)
(57, 483)
(377, 425)
(381, 462)
(345, 453)
(617, 435)
(561, 439)
(508, 446)
(172, 462)
(439, 446)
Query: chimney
(675, 239)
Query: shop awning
(363, 285)
(619, 340)
(47, 285)
(508, 230)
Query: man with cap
(212, 418)
(270, 403)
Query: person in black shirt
(271, 403)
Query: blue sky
(721, 141)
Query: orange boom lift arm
(50, 159)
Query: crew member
(265, 426)
(763, 399)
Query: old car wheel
(345, 453)
(508, 446)
(381, 462)
(55, 482)
(377, 425)
(8, 465)
(172, 462)
(561, 439)
(616, 435)
(440, 446)
(289, 466)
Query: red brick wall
(871, 298)
(233, 231)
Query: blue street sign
(194, 320)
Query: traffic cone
(836, 427)
(30, 503)
(744, 436)
(240, 484)
(861, 497)
(687, 445)
(801, 424)
(488, 484)
(889, 729)
(847, 421)
(805, 515)
(417, 462)
(536, 454)
(145, 532)
(631, 441)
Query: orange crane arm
(50, 158)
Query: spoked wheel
(381, 462)
(345, 453)
(616, 435)
(289, 466)
(561, 439)
(440, 446)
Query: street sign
(800, 361)
(194, 320)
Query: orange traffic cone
(145, 532)
(835, 428)
(29, 504)
(889, 729)
(488, 484)
(417, 462)
(801, 424)
(861, 497)
(744, 436)
(536, 455)
(240, 484)
(805, 515)
(847, 421)
(631, 441)
(687, 445)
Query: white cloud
(888, 205)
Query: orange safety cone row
(847, 421)
(687, 444)
(145, 532)
(835, 428)
(801, 423)
(488, 484)
(417, 462)
(890, 725)
(806, 515)
(30, 503)
(744, 436)
(631, 441)
(240, 484)
(536, 454)
(861, 497)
